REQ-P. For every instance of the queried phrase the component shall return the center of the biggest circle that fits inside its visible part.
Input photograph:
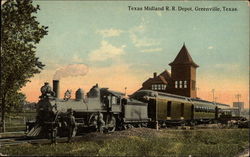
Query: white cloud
(152, 50)
(141, 28)
(110, 32)
(210, 47)
(106, 51)
(142, 42)
(137, 36)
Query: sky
(106, 43)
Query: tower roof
(184, 57)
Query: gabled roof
(147, 81)
(164, 78)
(166, 75)
(183, 57)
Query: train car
(170, 109)
(204, 111)
(166, 108)
(101, 110)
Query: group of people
(70, 124)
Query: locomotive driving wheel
(93, 120)
(110, 123)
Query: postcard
(193, 51)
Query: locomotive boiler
(101, 110)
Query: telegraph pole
(215, 99)
(213, 90)
(125, 91)
(238, 96)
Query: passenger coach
(169, 109)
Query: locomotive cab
(111, 100)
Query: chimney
(56, 88)
(155, 74)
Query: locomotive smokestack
(56, 88)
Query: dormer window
(158, 87)
(153, 87)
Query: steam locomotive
(105, 110)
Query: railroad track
(22, 140)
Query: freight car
(103, 110)
(169, 109)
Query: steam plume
(71, 70)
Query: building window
(185, 84)
(193, 85)
(158, 87)
(176, 84)
(164, 87)
(180, 82)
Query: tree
(15, 103)
(20, 33)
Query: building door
(152, 109)
(169, 109)
(182, 109)
(192, 112)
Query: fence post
(157, 125)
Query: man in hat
(71, 124)
(46, 90)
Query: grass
(206, 142)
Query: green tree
(15, 103)
(20, 33)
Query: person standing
(53, 134)
(71, 125)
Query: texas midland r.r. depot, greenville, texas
(180, 8)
